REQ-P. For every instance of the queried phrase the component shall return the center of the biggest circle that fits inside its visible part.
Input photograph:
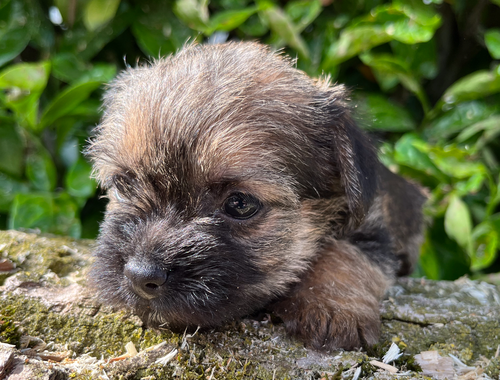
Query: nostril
(146, 279)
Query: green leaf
(153, 41)
(471, 186)
(385, 115)
(25, 76)
(40, 169)
(100, 72)
(386, 156)
(86, 44)
(25, 83)
(409, 21)
(408, 152)
(489, 158)
(66, 101)
(14, 31)
(11, 150)
(428, 260)
(353, 41)
(492, 40)
(78, 181)
(303, 12)
(32, 211)
(490, 128)
(493, 202)
(442, 258)
(458, 223)
(386, 80)
(68, 147)
(99, 12)
(477, 85)
(457, 119)
(485, 238)
(453, 161)
(68, 67)
(280, 24)
(406, 22)
(40, 27)
(9, 187)
(228, 20)
(254, 27)
(421, 58)
(194, 13)
(87, 110)
(48, 212)
(158, 31)
(66, 219)
(25, 110)
(12, 43)
(419, 11)
(392, 65)
(491, 123)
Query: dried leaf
(435, 365)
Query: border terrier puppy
(236, 182)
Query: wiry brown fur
(338, 305)
(181, 135)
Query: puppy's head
(225, 168)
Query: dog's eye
(241, 206)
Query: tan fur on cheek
(326, 216)
(282, 247)
(336, 303)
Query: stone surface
(51, 328)
(6, 360)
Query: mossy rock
(51, 327)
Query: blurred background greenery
(425, 76)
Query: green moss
(338, 373)
(106, 334)
(8, 330)
(103, 334)
(493, 368)
(423, 338)
(234, 369)
(487, 347)
(40, 255)
(3, 277)
(464, 354)
(408, 363)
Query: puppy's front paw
(330, 326)
(336, 304)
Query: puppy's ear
(351, 154)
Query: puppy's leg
(336, 304)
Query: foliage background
(425, 75)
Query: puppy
(236, 183)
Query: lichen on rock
(51, 327)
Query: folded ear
(351, 152)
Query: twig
(387, 367)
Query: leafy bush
(423, 72)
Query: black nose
(146, 279)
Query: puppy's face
(225, 167)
